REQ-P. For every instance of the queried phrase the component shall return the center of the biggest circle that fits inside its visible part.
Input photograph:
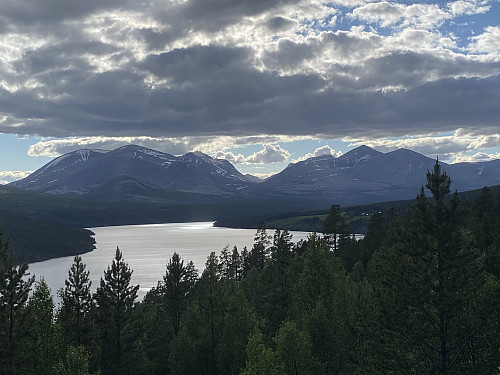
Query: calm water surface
(147, 249)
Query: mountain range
(360, 176)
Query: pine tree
(281, 256)
(225, 262)
(430, 276)
(115, 299)
(258, 254)
(245, 262)
(335, 226)
(235, 270)
(15, 285)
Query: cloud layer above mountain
(177, 72)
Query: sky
(261, 83)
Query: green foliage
(40, 336)
(294, 348)
(239, 322)
(75, 362)
(194, 341)
(260, 359)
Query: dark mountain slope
(82, 171)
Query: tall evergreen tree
(258, 254)
(335, 226)
(15, 285)
(210, 300)
(235, 270)
(225, 261)
(430, 277)
(281, 256)
(115, 298)
(76, 301)
(40, 343)
(177, 285)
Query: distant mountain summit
(362, 175)
(80, 172)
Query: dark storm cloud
(57, 58)
(198, 63)
(212, 90)
(49, 11)
(117, 76)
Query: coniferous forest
(419, 294)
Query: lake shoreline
(147, 248)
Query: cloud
(393, 14)
(470, 7)
(486, 42)
(477, 157)
(11, 176)
(447, 147)
(269, 154)
(324, 150)
(54, 148)
(231, 157)
(177, 146)
(175, 72)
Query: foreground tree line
(419, 294)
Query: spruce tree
(76, 301)
(40, 343)
(178, 282)
(115, 299)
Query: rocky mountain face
(362, 175)
(83, 171)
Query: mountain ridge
(362, 175)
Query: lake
(147, 249)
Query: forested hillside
(36, 240)
(420, 294)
